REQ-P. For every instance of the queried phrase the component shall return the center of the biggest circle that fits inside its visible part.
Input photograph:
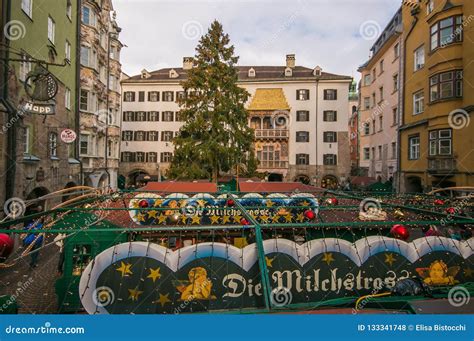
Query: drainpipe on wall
(78, 91)
(317, 135)
(402, 108)
(106, 149)
(11, 136)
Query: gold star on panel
(163, 300)
(184, 219)
(275, 218)
(389, 258)
(201, 202)
(269, 261)
(214, 219)
(328, 258)
(305, 203)
(226, 219)
(264, 218)
(135, 204)
(161, 219)
(134, 293)
(288, 218)
(152, 214)
(125, 269)
(300, 217)
(195, 219)
(154, 274)
(237, 218)
(140, 217)
(269, 203)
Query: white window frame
(419, 58)
(418, 101)
(25, 68)
(51, 29)
(67, 98)
(69, 9)
(27, 7)
(67, 50)
(414, 148)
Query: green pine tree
(215, 136)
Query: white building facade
(299, 115)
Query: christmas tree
(215, 136)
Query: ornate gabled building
(100, 94)
(299, 115)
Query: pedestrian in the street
(36, 239)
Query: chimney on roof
(290, 60)
(188, 63)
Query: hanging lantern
(309, 214)
(400, 232)
(244, 222)
(332, 201)
(143, 203)
(6, 245)
(230, 202)
(439, 202)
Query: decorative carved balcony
(272, 164)
(442, 165)
(271, 133)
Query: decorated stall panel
(142, 277)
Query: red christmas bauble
(439, 202)
(451, 210)
(400, 232)
(244, 221)
(143, 203)
(6, 245)
(309, 214)
(230, 202)
(432, 231)
(332, 201)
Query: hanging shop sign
(68, 136)
(38, 108)
(41, 86)
(142, 277)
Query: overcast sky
(335, 34)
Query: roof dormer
(317, 71)
(288, 72)
(251, 73)
(173, 74)
(145, 74)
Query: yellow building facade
(436, 135)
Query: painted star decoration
(328, 258)
(134, 293)
(269, 261)
(163, 300)
(124, 269)
(154, 274)
(389, 258)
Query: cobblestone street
(34, 287)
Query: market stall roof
(181, 187)
(279, 187)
